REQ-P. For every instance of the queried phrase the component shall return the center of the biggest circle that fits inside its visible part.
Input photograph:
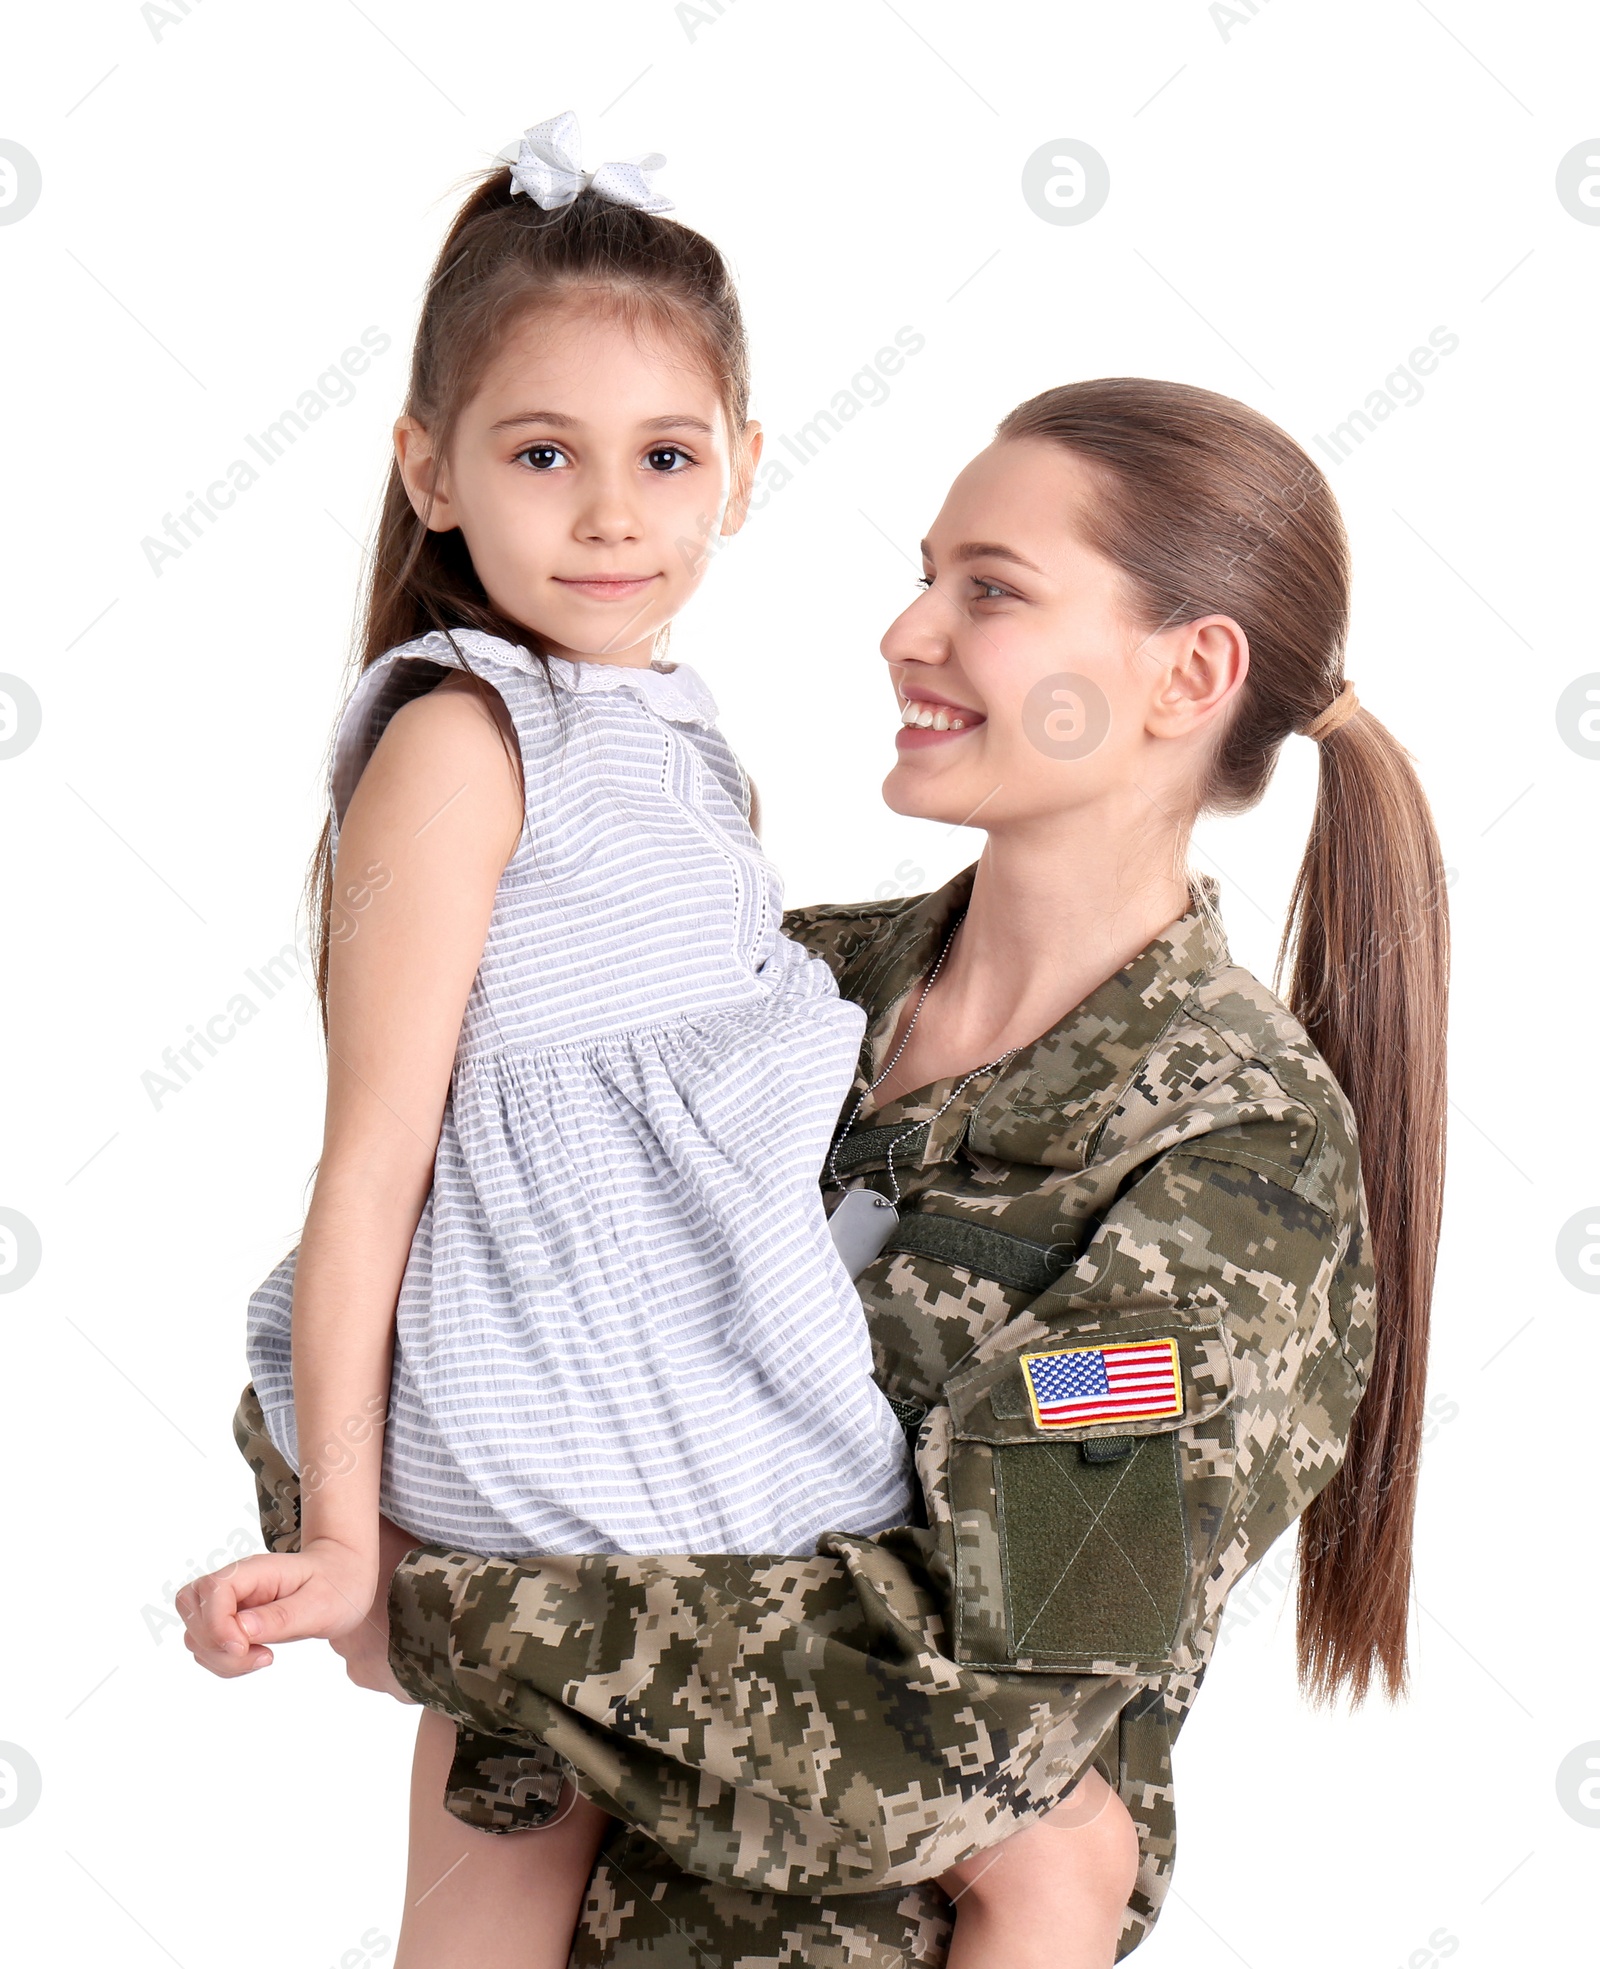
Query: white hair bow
(547, 168)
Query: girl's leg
(489, 1900)
(1052, 1897)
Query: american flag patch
(1129, 1383)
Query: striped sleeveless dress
(623, 1326)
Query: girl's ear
(423, 476)
(747, 455)
(1206, 662)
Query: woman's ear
(423, 476)
(1207, 662)
(747, 455)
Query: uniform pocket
(1082, 1478)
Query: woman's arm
(432, 823)
(864, 1718)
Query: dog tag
(860, 1227)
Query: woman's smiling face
(1030, 684)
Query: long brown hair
(1208, 508)
(504, 260)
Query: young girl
(567, 1265)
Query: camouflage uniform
(796, 1747)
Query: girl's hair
(505, 260)
(1208, 508)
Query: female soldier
(1130, 1301)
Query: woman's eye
(989, 591)
(924, 580)
(543, 457)
(667, 458)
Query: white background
(230, 196)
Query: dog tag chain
(864, 1220)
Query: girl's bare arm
(432, 823)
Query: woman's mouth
(605, 587)
(931, 720)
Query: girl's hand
(365, 1649)
(319, 1593)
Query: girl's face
(592, 478)
(1051, 696)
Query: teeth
(930, 717)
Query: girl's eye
(543, 457)
(667, 458)
(924, 580)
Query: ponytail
(1207, 507)
(1369, 933)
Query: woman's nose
(916, 634)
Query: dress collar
(678, 693)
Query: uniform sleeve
(791, 1726)
(838, 932)
(861, 1719)
(1126, 1446)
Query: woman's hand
(365, 1648)
(320, 1593)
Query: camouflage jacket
(796, 1747)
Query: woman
(1131, 1302)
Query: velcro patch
(1134, 1382)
